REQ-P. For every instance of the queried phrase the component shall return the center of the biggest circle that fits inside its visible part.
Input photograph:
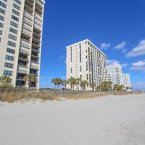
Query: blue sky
(115, 26)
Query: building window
(10, 50)
(11, 44)
(2, 4)
(15, 12)
(0, 32)
(80, 55)
(11, 58)
(1, 18)
(12, 37)
(1, 25)
(16, 6)
(71, 54)
(87, 77)
(9, 65)
(80, 68)
(81, 77)
(14, 24)
(13, 30)
(17, 1)
(6, 72)
(15, 18)
(2, 11)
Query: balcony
(24, 52)
(28, 16)
(34, 65)
(27, 27)
(25, 44)
(37, 41)
(23, 58)
(22, 70)
(39, 28)
(28, 22)
(28, 8)
(40, 3)
(35, 56)
(33, 72)
(39, 23)
(29, 3)
(37, 46)
(35, 50)
(38, 17)
(36, 35)
(26, 33)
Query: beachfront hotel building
(116, 76)
(87, 62)
(126, 80)
(21, 23)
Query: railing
(22, 71)
(24, 51)
(28, 16)
(26, 32)
(24, 44)
(38, 17)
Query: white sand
(100, 121)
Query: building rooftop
(89, 42)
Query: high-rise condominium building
(21, 23)
(87, 62)
(115, 75)
(126, 80)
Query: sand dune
(113, 120)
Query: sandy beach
(113, 120)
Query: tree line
(82, 84)
(5, 82)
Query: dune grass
(11, 96)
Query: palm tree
(84, 83)
(92, 85)
(78, 83)
(54, 81)
(72, 81)
(5, 81)
(57, 81)
(64, 83)
(118, 87)
(30, 79)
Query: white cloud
(115, 62)
(138, 50)
(124, 65)
(112, 62)
(120, 45)
(105, 46)
(140, 65)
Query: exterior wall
(26, 38)
(85, 61)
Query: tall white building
(126, 80)
(85, 61)
(21, 23)
(115, 75)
